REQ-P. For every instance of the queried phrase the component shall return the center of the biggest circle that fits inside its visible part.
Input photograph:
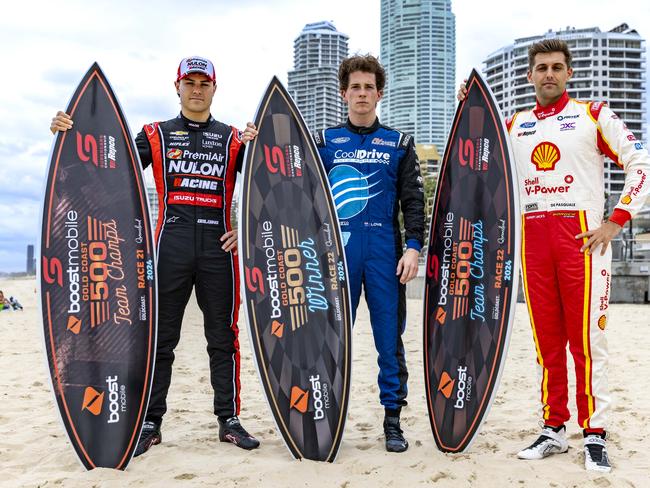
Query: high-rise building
(607, 66)
(31, 262)
(418, 50)
(313, 83)
(152, 195)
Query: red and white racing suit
(559, 151)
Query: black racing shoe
(231, 430)
(150, 436)
(395, 441)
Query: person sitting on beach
(4, 303)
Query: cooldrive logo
(361, 156)
(100, 151)
(287, 161)
(93, 401)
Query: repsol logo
(116, 399)
(321, 397)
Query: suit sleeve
(617, 142)
(411, 195)
(144, 148)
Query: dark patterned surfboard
(472, 270)
(295, 281)
(97, 278)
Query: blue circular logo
(350, 189)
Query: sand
(34, 450)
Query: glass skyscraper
(418, 50)
(313, 83)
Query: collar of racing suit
(195, 125)
(552, 109)
(362, 130)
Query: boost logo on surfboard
(97, 279)
(295, 281)
(471, 272)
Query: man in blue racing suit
(373, 173)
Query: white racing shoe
(596, 458)
(549, 442)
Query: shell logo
(626, 200)
(545, 156)
(602, 322)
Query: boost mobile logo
(93, 401)
(299, 399)
(446, 385)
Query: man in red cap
(195, 159)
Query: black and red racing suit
(194, 166)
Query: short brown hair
(549, 46)
(366, 64)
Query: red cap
(196, 64)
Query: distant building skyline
(313, 83)
(418, 50)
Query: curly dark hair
(549, 46)
(366, 64)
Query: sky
(46, 47)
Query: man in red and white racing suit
(559, 148)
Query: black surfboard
(295, 281)
(472, 270)
(97, 278)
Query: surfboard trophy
(471, 270)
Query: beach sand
(34, 450)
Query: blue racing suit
(373, 172)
